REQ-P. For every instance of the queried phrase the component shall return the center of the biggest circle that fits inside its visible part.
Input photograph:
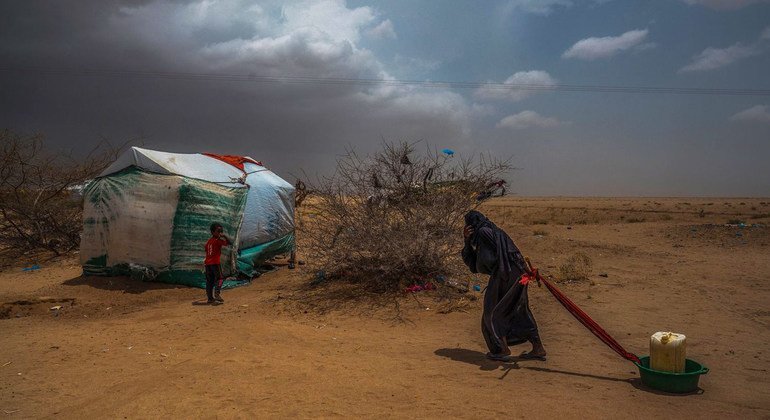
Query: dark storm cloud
(284, 124)
(37, 32)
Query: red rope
(584, 319)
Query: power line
(303, 80)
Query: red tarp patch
(236, 161)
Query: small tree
(40, 204)
(395, 217)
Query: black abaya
(507, 319)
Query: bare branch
(39, 192)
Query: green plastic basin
(678, 383)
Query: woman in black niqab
(506, 319)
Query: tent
(148, 215)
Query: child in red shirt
(213, 269)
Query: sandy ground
(119, 348)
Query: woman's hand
(467, 232)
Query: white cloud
(724, 4)
(758, 113)
(528, 119)
(593, 48)
(382, 31)
(714, 58)
(300, 38)
(407, 102)
(273, 38)
(301, 53)
(331, 17)
(213, 15)
(522, 79)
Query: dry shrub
(577, 268)
(40, 205)
(389, 220)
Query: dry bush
(389, 220)
(577, 268)
(40, 204)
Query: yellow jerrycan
(668, 352)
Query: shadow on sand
(474, 357)
(479, 359)
(121, 283)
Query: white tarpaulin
(191, 165)
(153, 209)
(269, 209)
